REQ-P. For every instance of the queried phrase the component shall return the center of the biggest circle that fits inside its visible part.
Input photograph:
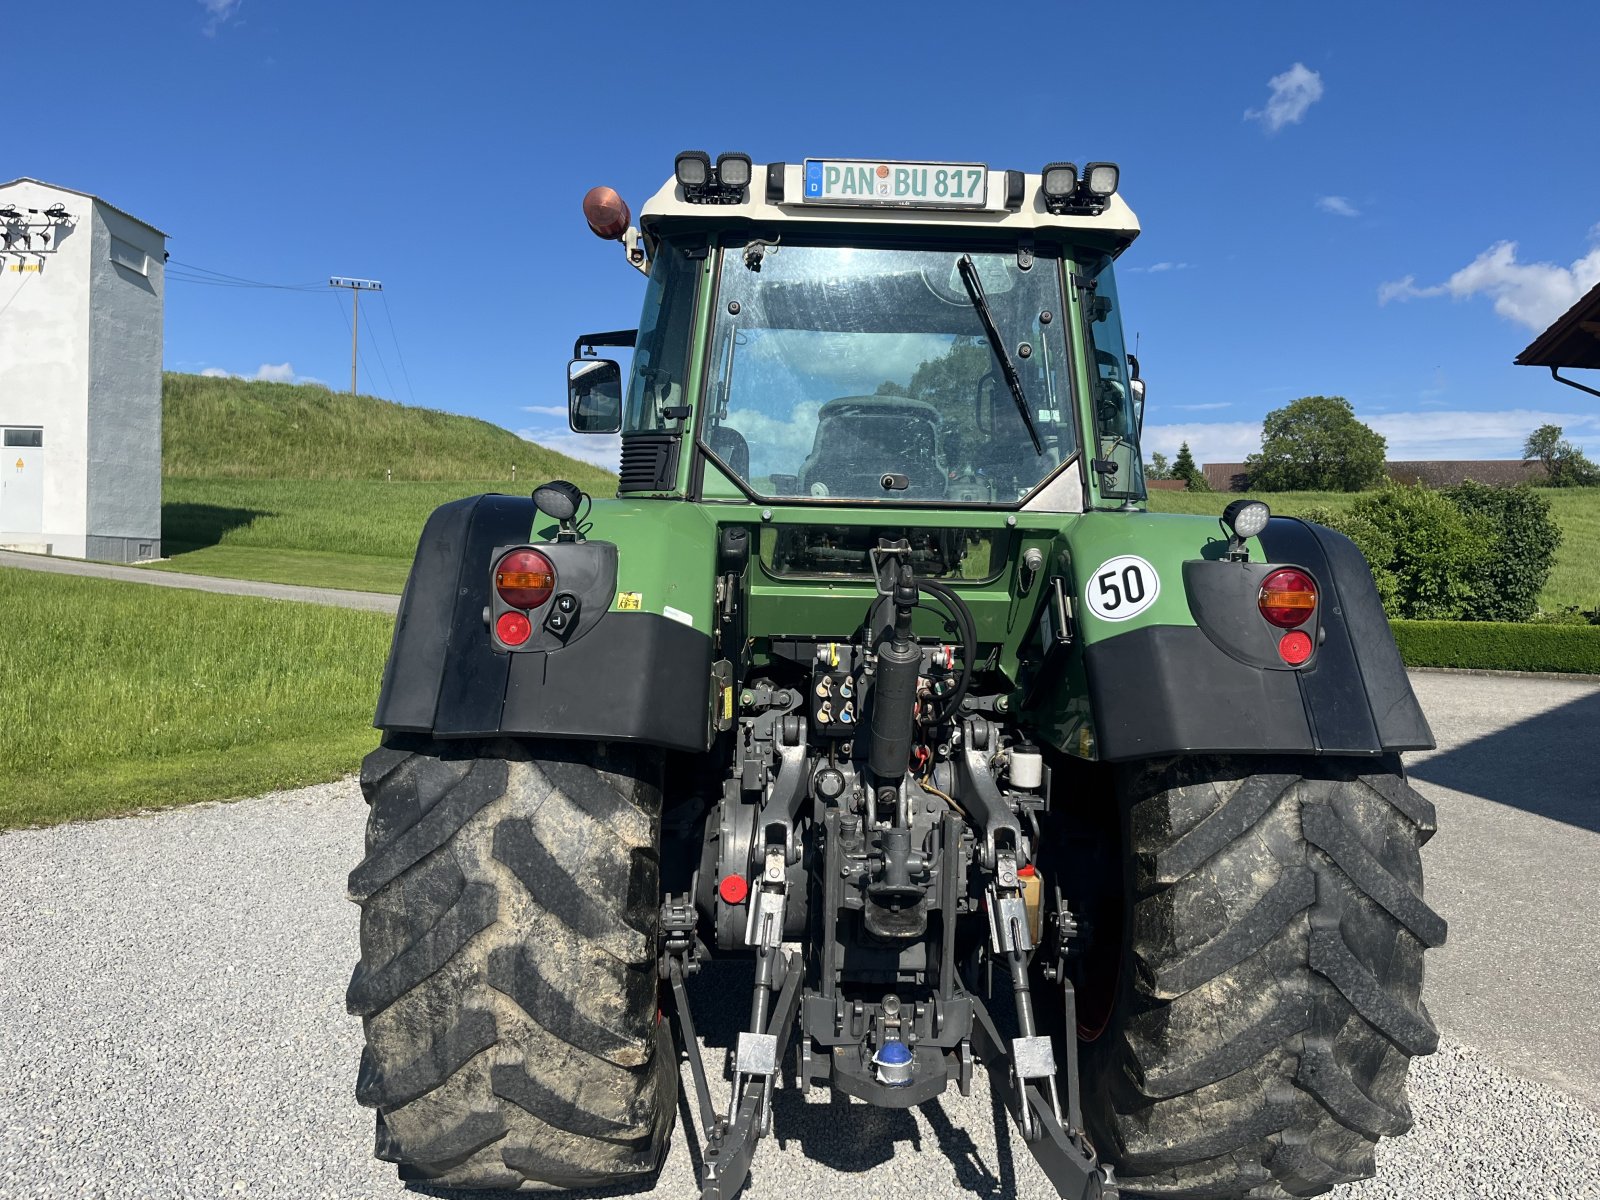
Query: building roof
(87, 196)
(1573, 340)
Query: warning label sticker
(630, 601)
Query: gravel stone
(172, 1024)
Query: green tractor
(878, 673)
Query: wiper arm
(974, 286)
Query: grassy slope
(1575, 579)
(244, 429)
(287, 483)
(117, 697)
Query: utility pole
(356, 286)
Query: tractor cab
(839, 332)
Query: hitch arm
(732, 1144)
(1065, 1156)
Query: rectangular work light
(733, 171)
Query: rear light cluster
(525, 579)
(1288, 599)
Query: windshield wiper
(974, 286)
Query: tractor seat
(861, 438)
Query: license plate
(904, 184)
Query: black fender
(635, 676)
(1217, 687)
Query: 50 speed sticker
(1122, 587)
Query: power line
(189, 273)
(378, 349)
(384, 296)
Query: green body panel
(667, 557)
(666, 553)
(1058, 710)
(1165, 540)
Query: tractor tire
(1269, 1000)
(507, 983)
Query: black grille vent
(649, 462)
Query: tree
(1565, 465)
(1183, 468)
(1523, 536)
(1434, 551)
(1316, 444)
(1157, 467)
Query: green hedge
(1499, 646)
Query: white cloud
(1157, 268)
(546, 410)
(603, 450)
(1405, 288)
(1219, 441)
(1531, 294)
(1338, 206)
(271, 373)
(1293, 92)
(1201, 407)
(1458, 434)
(218, 13)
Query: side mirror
(1137, 385)
(594, 395)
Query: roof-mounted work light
(733, 170)
(1065, 193)
(1058, 181)
(726, 183)
(693, 169)
(1100, 179)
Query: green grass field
(245, 429)
(1575, 579)
(288, 483)
(115, 697)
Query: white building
(81, 293)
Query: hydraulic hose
(968, 630)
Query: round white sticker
(1122, 587)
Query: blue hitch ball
(893, 1061)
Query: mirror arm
(633, 246)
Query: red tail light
(1288, 598)
(525, 579)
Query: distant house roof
(1448, 472)
(1226, 477)
(87, 196)
(1573, 340)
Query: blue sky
(1381, 201)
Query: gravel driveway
(172, 1024)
